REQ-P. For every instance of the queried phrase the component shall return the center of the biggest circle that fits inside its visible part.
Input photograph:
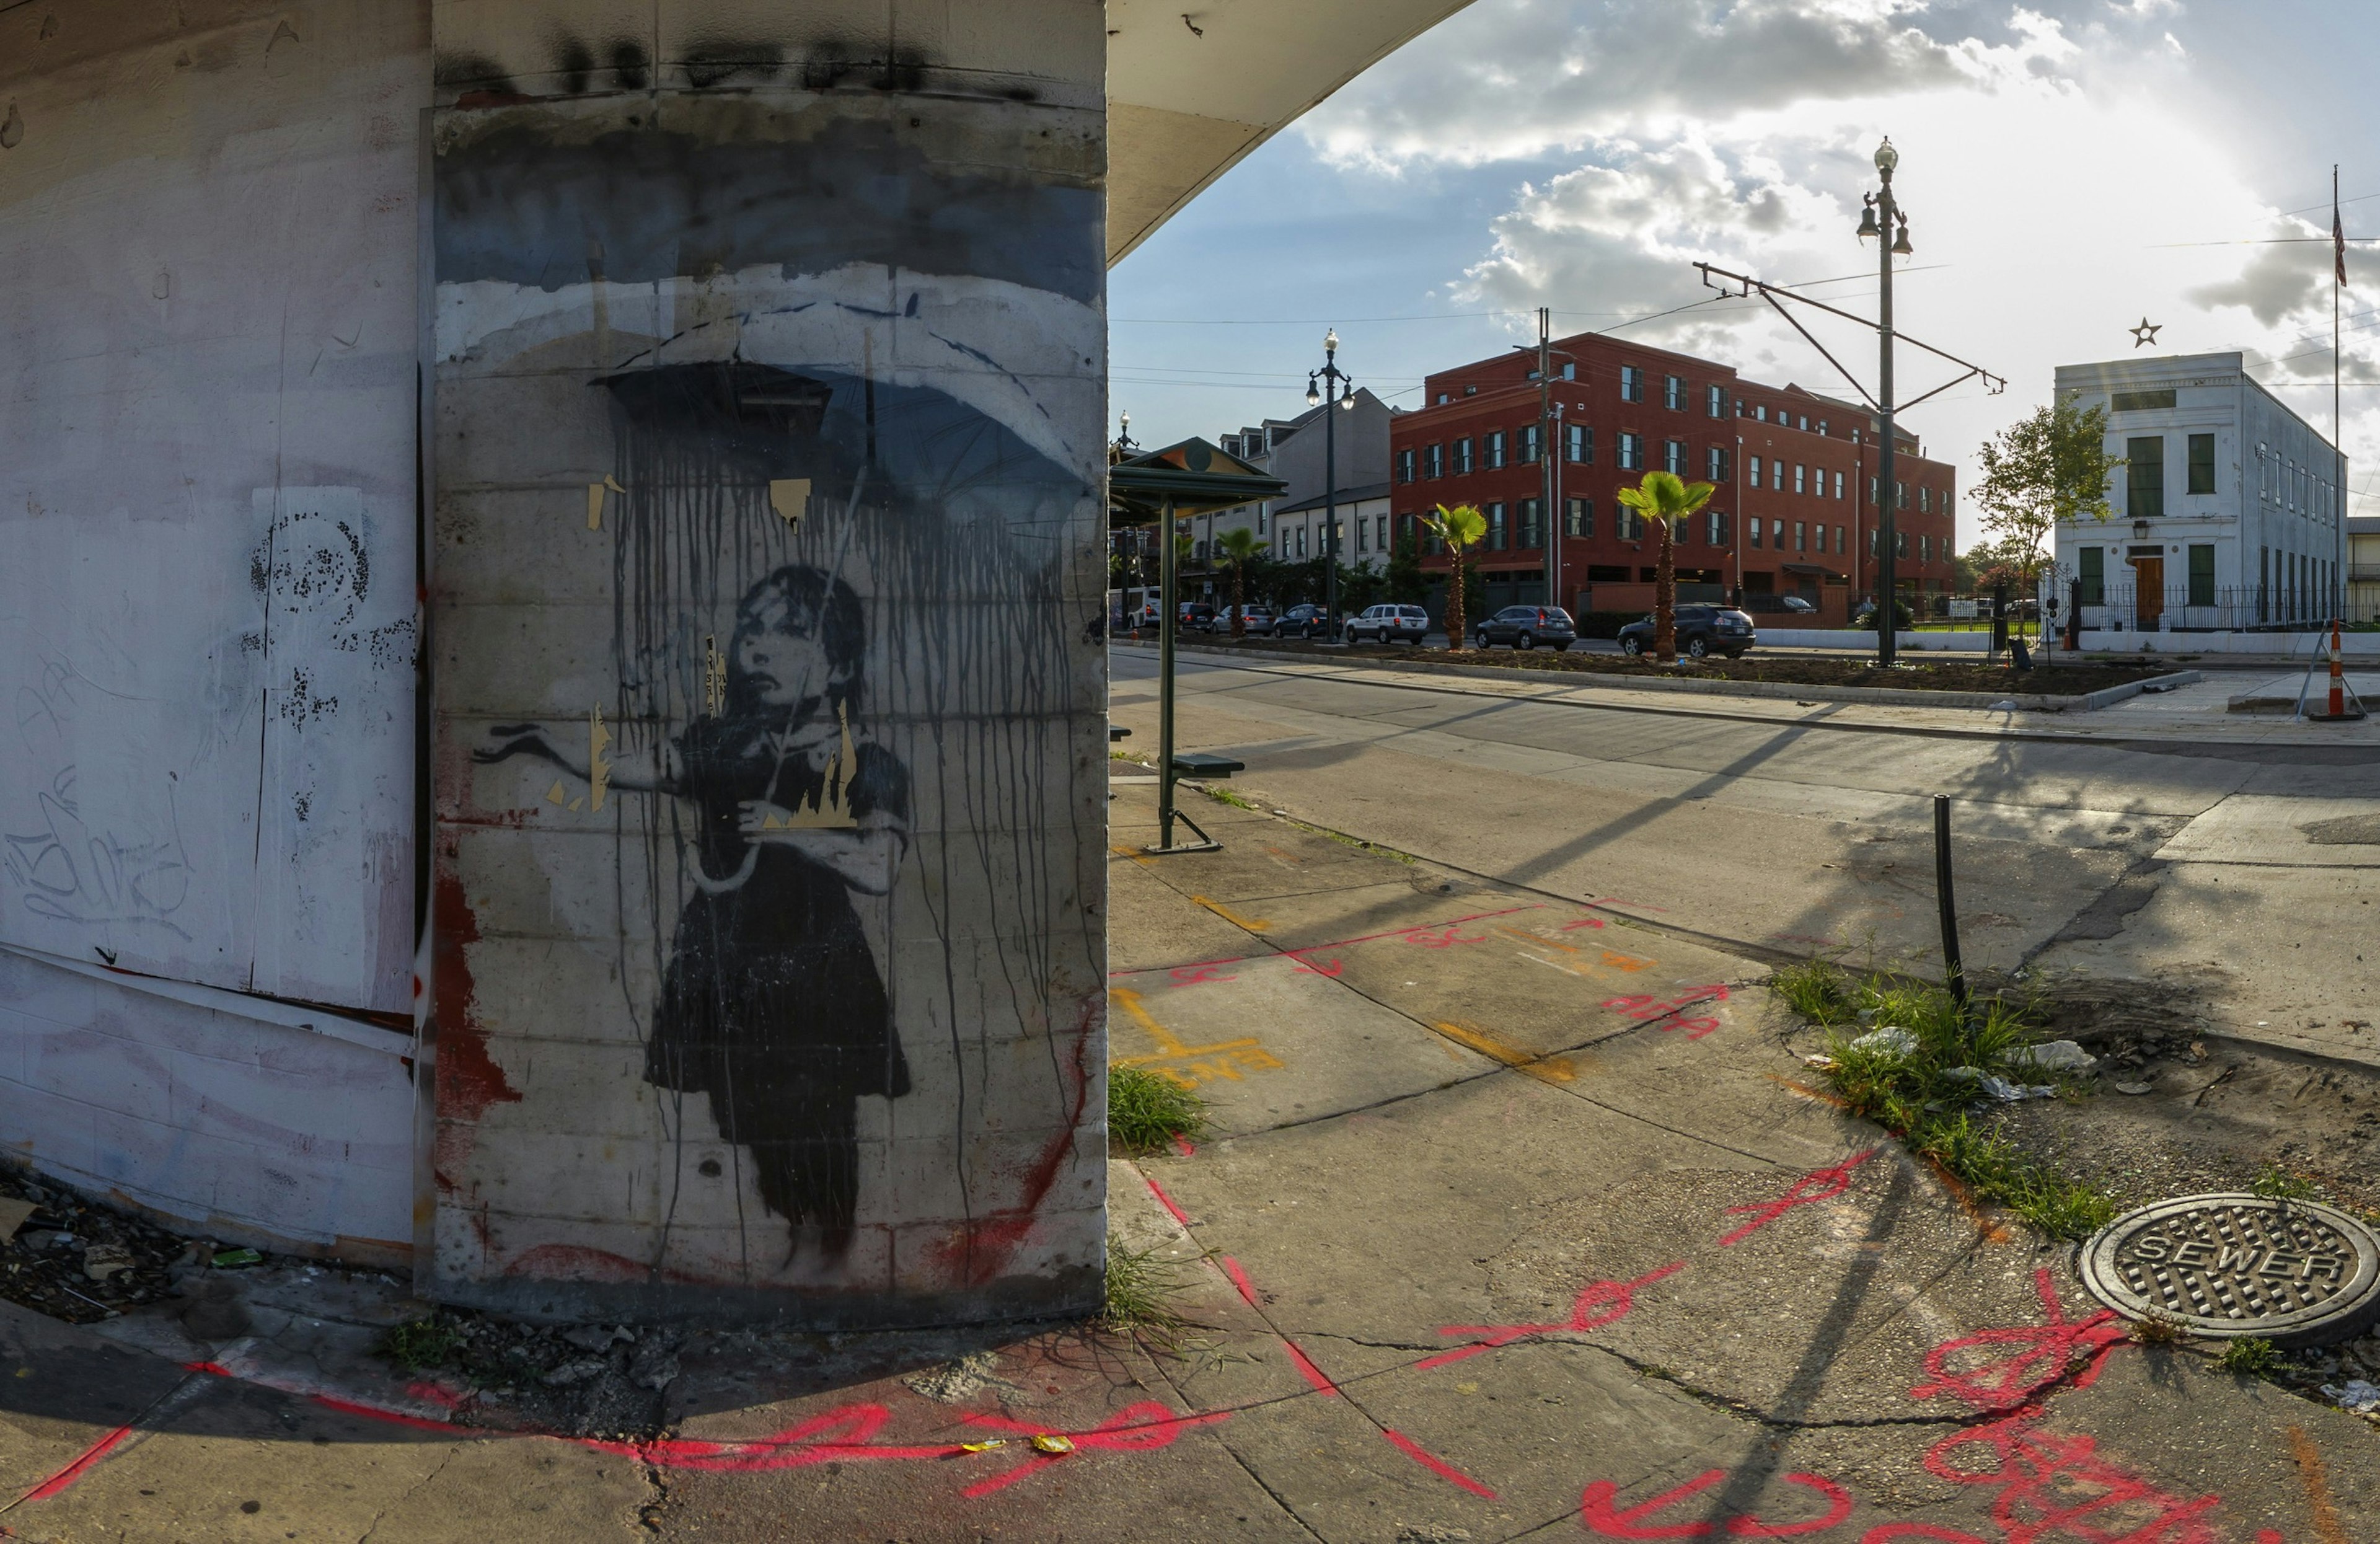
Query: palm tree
(1239, 544)
(1665, 498)
(1458, 528)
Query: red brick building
(1796, 513)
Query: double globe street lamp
(1881, 214)
(1330, 385)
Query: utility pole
(1548, 523)
(1879, 220)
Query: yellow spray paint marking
(790, 497)
(598, 770)
(1189, 1065)
(1253, 924)
(557, 794)
(595, 501)
(1545, 1069)
(1626, 962)
(714, 676)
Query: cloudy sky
(2068, 168)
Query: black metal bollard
(1954, 968)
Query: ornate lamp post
(1330, 385)
(1881, 215)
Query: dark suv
(1195, 616)
(1304, 622)
(1386, 624)
(1525, 628)
(1702, 630)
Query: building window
(1569, 370)
(1462, 456)
(1578, 442)
(1871, 541)
(2202, 570)
(1433, 461)
(1631, 523)
(1406, 526)
(1301, 541)
(1871, 493)
(1838, 540)
(2202, 470)
(1714, 463)
(2139, 402)
(1822, 426)
(1578, 518)
(1717, 525)
(1632, 453)
(1760, 411)
(1924, 549)
(1926, 501)
(1362, 535)
(1533, 530)
(1714, 402)
(1800, 477)
(1491, 449)
(2144, 478)
(1498, 537)
(1674, 393)
(1673, 456)
(1631, 383)
(1900, 495)
(1900, 544)
(1839, 485)
(1753, 464)
(2094, 561)
(1264, 518)
(1404, 466)
(1529, 448)
(1800, 538)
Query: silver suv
(1388, 623)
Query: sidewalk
(1515, 1221)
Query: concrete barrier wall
(1845, 638)
(208, 520)
(769, 760)
(2297, 646)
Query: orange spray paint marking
(1253, 924)
(2326, 1525)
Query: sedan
(1524, 628)
(1255, 621)
(1304, 622)
(1703, 630)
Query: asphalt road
(2222, 882)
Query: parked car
(1195, 616)
(1304, 622)
(1525, 628)
(1256, 621)
(1386, 623)
(1761, 603)
(1798, 606)
(1702, 630)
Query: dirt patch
(79, 1262)
(2062, 681)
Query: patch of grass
(1140, 1293)
(420, 1345)
(2276, 1184)
(2251, 1356)
(1226, 795)
(1925, 1094)
(2158, 1328)
(1147, 1110)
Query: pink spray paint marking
(1595, 1511)
(1434, 1464)
(1167, 1201)
(1818, 1185)
(2043, 1355)
(1598, 1304)
(1645, 1008)
(1142, 1428)
(83, 1461)
(1191, 971)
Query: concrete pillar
(766, 439)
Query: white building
(2228, 515)
(1363, 530)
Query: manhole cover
(2295, 1273)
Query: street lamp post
(1881, 217)
(1329, 385)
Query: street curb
(1884, 696)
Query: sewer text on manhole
(2294, 1272)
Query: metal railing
(2178, 608)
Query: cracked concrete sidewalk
(1516, 1220)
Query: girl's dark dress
(772, 1003)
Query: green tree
(1458, 528)
(1666, 498)
(1238, 546)
(2050, 465)
(1405, 581)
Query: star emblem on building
(2144, 334)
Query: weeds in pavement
(420, 1345)
(1147, 1110)
(1225, 796)
(1140, 1289)
(2251, 1356)
(2158, 1328)
(2276, 1183)
(1903, 1055)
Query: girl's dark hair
(816, 606)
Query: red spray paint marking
(1434, 1464)
(1190, 975)
(1142, 1428)
(1818, 1185)
(1240, 1279)
(349, 1407)
(1313, 1375)
(2043, 1355)
(1182, 1145)
(468, 1080)
(74, 1471)
(1600, 1302)
(1595, 1511)
(1582, 922)
(1326, 948)
(1441, 938)
(1645, 1008)
(979, 1251)
(838, 1435)
(1167, 1201)
(2058, 1488)
(1301, 965)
